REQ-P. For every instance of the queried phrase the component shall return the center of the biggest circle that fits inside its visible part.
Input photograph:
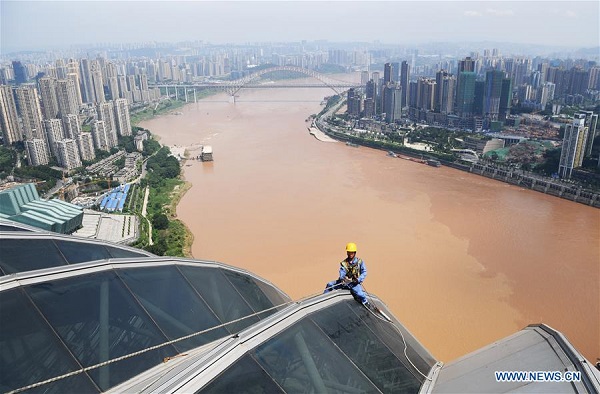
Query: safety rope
(148, 349)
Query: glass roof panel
(245, 376)
(173, 304)
(31, 352)
(20, 255)
(78, 252)
(388, 334)
(98, 319)
(253, 295)
(220, 295)
(119, 253)
(303, 359)
(350, 332)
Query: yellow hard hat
(351, 247)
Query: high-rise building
(48, 97)
(364, 77)
(369, 108)
(353, 103)
(37, 152)
(20, 72)
(404, 80)
(478, 99)
(573, 147)
(112, 81)
(55, 133)
(29, 109)
(85, 142)
(75, 78)
(9, 120)
(426, 88)
(466, 65)
(97, 82)
(106, 113)
(594, 80)
(591, 124)
(505, 99)
(579, 80)
(68, 154)
(123, 91)
(492, 93)
(392, 94)
(61, 69)
(390, 72)
(143, 81)
(122, 119)
(465, 94)
(444, 93)
(87, 86)
(66, 93)
(104, 137)
(71, 125)
(547, 93)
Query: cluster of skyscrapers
(67, 114)
(475, 97)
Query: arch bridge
(249, 81)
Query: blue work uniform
(356, 271)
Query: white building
(68, 154)
(37, 152)
(122, 118)
(30, 112)
(66, 93)
(101, 135)
(571, 154)
(54, 133)
(71, 125)
(85, 142)
(9, 121)
(106, 113)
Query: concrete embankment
(318, 134)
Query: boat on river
(434, 163)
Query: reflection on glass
(98, 319)
(243, 377)
(173, 304)
(31, 352)
(220, 295)
(78, 252)
(20, 255)
(120, 253)
(248, 288)
(352, 333)
(389, 335)
(303, 359)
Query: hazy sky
(42, 24)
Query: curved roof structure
(79, 315)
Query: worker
(353, 272)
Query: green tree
(160, 221)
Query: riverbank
(514, 177)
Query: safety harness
(352, 270)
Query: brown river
(461, 260)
